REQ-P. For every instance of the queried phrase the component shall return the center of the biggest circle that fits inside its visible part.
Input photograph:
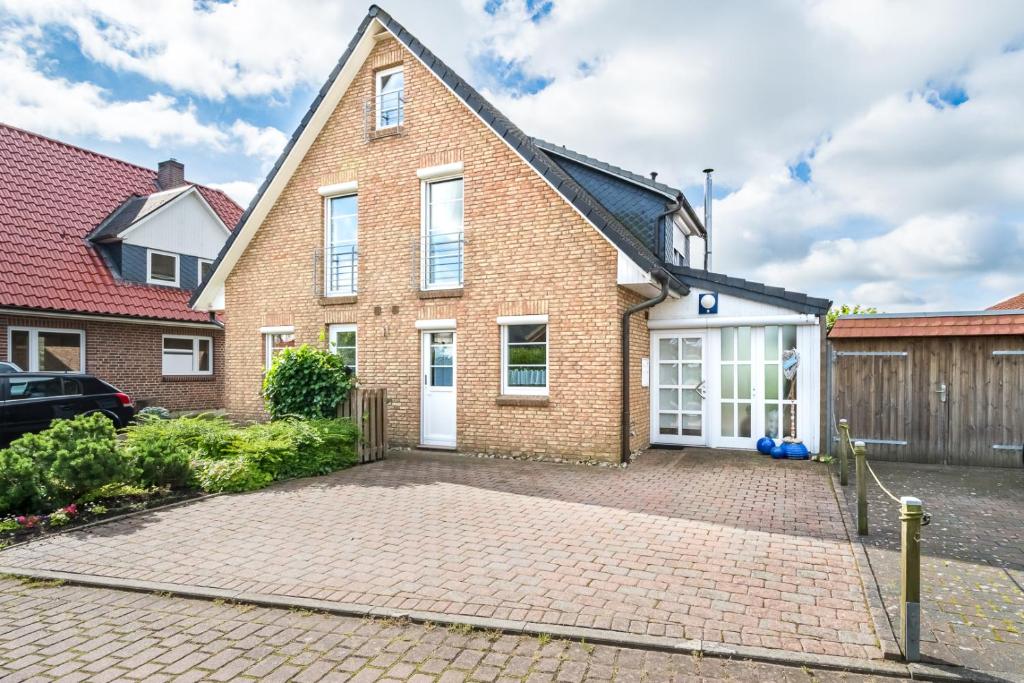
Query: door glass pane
(441, 355)
(728, 343)
(728, 428)
(788, 420)
(771, 381)
(743, 343)
(771, 343)
(744, 419)
(692, 425)
(692, 349)
(668, 374)
(789, 388)
(19, 349)
(60, 352)
(691, 400)
(669, 348)
(743, 377)
(441, 376)
(668, 399)
(668, 423)
(771, 420)
(728, 383)
(691, 374)
(788, 337)
(442, 337)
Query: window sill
(337, 300)
(187, 378)
(389, 132)
(453, 293)
(522, 401)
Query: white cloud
(263, 143)
(242, 191)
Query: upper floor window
(390, 100)
(205, 268)
(161, 268)
(187, 355)
(442, 234)
(342, 262)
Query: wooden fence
(368, 409)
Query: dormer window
(205, 268)
(161, 268)
(390, 98)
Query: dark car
(29, 401)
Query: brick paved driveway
(716, 546)
(71, 633)
(972, 565)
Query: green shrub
(23, 484)
(306, 382)
(84, 456)
(338, 445)
(115, 489)
(293, 447)
(160, 451)
(229, 475)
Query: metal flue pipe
(707, 218)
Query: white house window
(342, 341)
(275, 342)
(205, 268)
(342, 262)
(46, 350)
(187, 355)
(442, 234)
(161, 268)
(524, 355)
(390, 100)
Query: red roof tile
(52, 195)
(932, 325)
(1014, 303)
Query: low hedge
(72, 458)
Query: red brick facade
(129, 356)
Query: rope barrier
(884, 490)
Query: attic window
(390, 98)
(161, 268)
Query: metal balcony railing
(342, 269)
(442, 260)
(390, 108)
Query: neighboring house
(1014, 303)
(482, 276)
(98, 260)
(944, 388)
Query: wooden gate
(367, 408)
(945, 400)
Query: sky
(869, 152)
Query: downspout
(662, 277)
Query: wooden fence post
(844, 461)
(860, 452)
(911, 513)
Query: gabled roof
(755, 291)
(953, 324)
(588, 207)
(1014, 303)
(52, 196)
(133, 210)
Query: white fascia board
(338, 189)
(706, 321)
(438, 324)
(277, 329)
(291, 162)
(523, 319)
(442, 171)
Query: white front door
(437, 403)
(679, 381)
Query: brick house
(98, 262)
(488, 279)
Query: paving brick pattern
(724, 547)
(972, 565)
(70, 633)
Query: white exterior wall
(681, 316)
(185, 226)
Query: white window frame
(343, 327)
(149, 268)
(195, 355)
(504, 322)
(378, 77)
(327, 247)
(199, 269)
(268, 333)
(33, 344)
(425, 184)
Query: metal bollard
(911, 513)
(844, 462)
(860, 452)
